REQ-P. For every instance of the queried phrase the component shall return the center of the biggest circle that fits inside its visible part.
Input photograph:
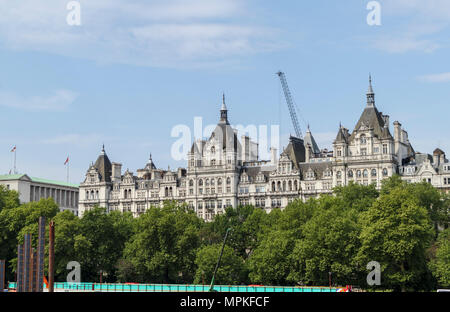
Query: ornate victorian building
(225, 171)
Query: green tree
(100, 242)
(67, 227)
(329, 243)
(396, 232)
(230, 272)
(440, 265)
(244, 233)
(15, 222)
(270, 263)
(163, 246)
(8, 198)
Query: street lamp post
(218, 260)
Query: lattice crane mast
(290, 104)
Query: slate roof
(318, 168)
(372, 119)
(295, 151)
(103, 165)
(309, 139)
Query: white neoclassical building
(33, 189)
(225, 171)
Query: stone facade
(225, 171)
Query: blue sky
(135, 69)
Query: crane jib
(290, 103)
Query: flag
(13, 149)
(67, 160)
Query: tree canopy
(403, 226)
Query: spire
(370, 94)
(224, 107)
(223, 111)
(103, 149)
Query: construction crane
(290, 104)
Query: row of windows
(209, 182)
(283, 186)
(92, 195)
(363, 173)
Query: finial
(370, 84)
(309, 129)
(224, 107)
(103, 148)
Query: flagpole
(68, 171)
(15, 151)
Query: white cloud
(80, 140)
(442, 77)
(169, 33)
(422, 8)
(414, 26)
(60, 100)
(403, 44)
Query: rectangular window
(363, 151)
(384, 148)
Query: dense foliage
(333, 237)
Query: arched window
(228, 181)
(125, 193)
(385, 172)
(166, 192)
(350, 174)
(219, 181)
(339, 174)
(358, 173)
(295, 185)
(290, 186)
(96, 194)
(279, 186)
(200, 182)
(363, 139)
(87, 194)
(207, 182)
(374, 172)
(212, 182)
(273, 186)
(191, 182)
(365, 173)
